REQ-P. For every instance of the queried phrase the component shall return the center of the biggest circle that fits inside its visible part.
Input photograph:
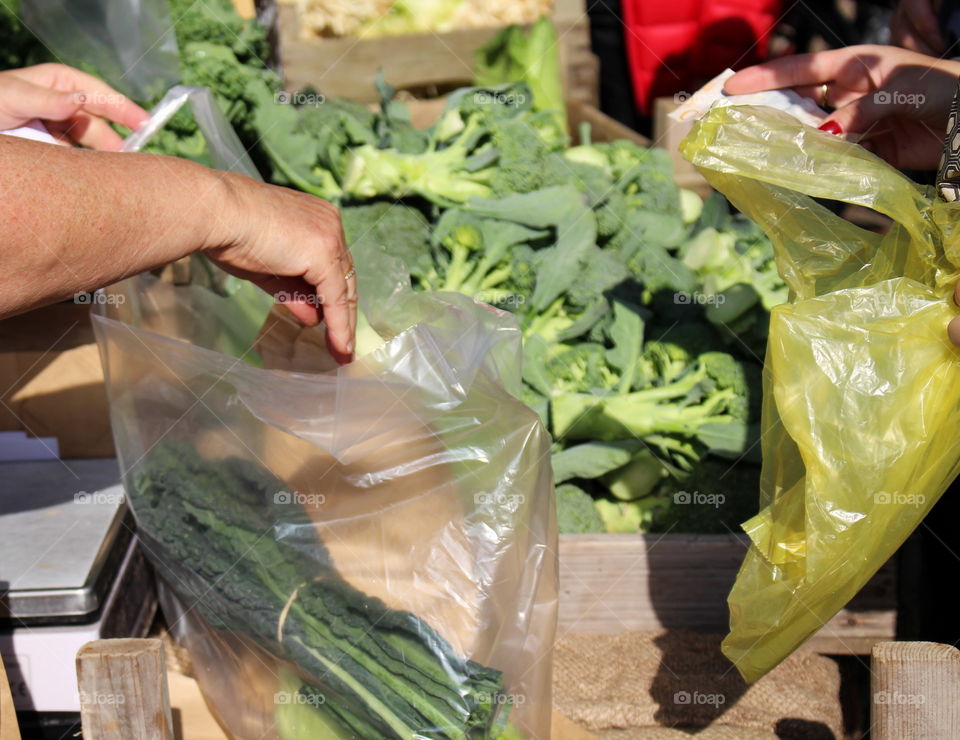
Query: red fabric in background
(678, 45)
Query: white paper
(34, 130)
(712, 94)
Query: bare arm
(73, 220)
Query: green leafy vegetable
(382, 673)
(643, 309)
(532, 56)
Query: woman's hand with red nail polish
(895, 100)
(831, 127)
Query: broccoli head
(576, 513)
(521, 157)
(715, 498)
(217, 22)
(581, 367)
(671, 416)
(401, 230)
(659, 272)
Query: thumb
(23, 101)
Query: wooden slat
(914, 691)
(603, 127)
(612, 583)
(9, 729)
(123, 690)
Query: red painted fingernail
(832, 127)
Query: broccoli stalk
(473, 255)
(665, 409)
(480, 277)
(548, 325)
(440, 175)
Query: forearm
(74, 220)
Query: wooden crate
(347, 67)
(51, 381)
(617, 582)
(602, 127)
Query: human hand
(74, 106)
(292, 246)
(953, 328)
(897, 100)
(914, 26)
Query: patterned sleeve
(948, 174)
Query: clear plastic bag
(130, 44)
(366, 551)
(226, 151)
(861, 386)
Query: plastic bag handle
(226, 150)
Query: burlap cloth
(632, 684)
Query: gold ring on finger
(824, 89)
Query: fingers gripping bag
(358, 552)
(861, 386)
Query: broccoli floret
(664, 360)
(728, 372)
(334, 128)
(581, 367)
(660, 272)
(401, 230)
(625, 156)
(594, 182)
(460, 242)
(611, 215)
(645, 176)
(217, 22)
(576, 513)
(237, 85)
(676, 348)
(473, 255)
(496, 102)
(714, 499)
(548, 326)
(522, 279)
(521, 162)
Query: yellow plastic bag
(861, 418)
